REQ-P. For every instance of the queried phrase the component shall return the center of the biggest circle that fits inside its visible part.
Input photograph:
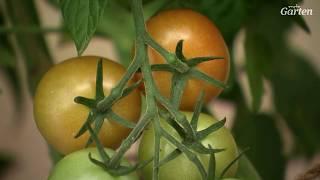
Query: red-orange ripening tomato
(59, 118)
(201, 38)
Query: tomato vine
(182, 70)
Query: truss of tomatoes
(59, 118)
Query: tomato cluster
(59, 118)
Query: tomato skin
(59, 118)
(201, 38)
(181, 167)
(77, 166)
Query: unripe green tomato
(77, 166)
(181, 168)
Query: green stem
(156, 153)
(149, 84)
(117, 91)
(169, 57)
(133, 136)
(178, 84)
(30, 29)
(180, 117)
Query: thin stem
(169, 57)
(178, 84)
(156, 154)
(190, 155)
(126, 143)
(117, 91)
(146, 71)
(178, 116)
(30, 29)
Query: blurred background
(283, 132)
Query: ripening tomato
(59, 118)
(77, 166)
(181, 167)
(201, 38)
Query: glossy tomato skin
(59, 118)
(77, 166)
(181, 168)
(201, 38)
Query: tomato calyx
(191, 71)
(117, 170)
(97, 117)
(194, 142)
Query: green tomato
(181, 167)
(77, 166)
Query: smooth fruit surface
(181, 168)
(77, 166)
(201, 38)
(59, 118)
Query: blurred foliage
(268, 56)
(5, 161)
(32, 46)
(8, 62)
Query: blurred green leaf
(299, 20)
(117, 24)
(260, 133)
(8, 65)
(8, 62)
(81, 18)
(295, 83)
(254, 50)
(296, 87)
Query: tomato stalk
(182, 70)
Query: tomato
(201, 38)
(77, 166)
(181, 167)
(59, 118)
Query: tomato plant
(181, 167)
(77, 166)
(201, 39)
(59, 118)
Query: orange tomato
(201, 38)
(59, 118)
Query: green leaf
(299, 20)
(254, 60)
(81, 18)
(296, 87)
(118, 25)
(260, 134)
